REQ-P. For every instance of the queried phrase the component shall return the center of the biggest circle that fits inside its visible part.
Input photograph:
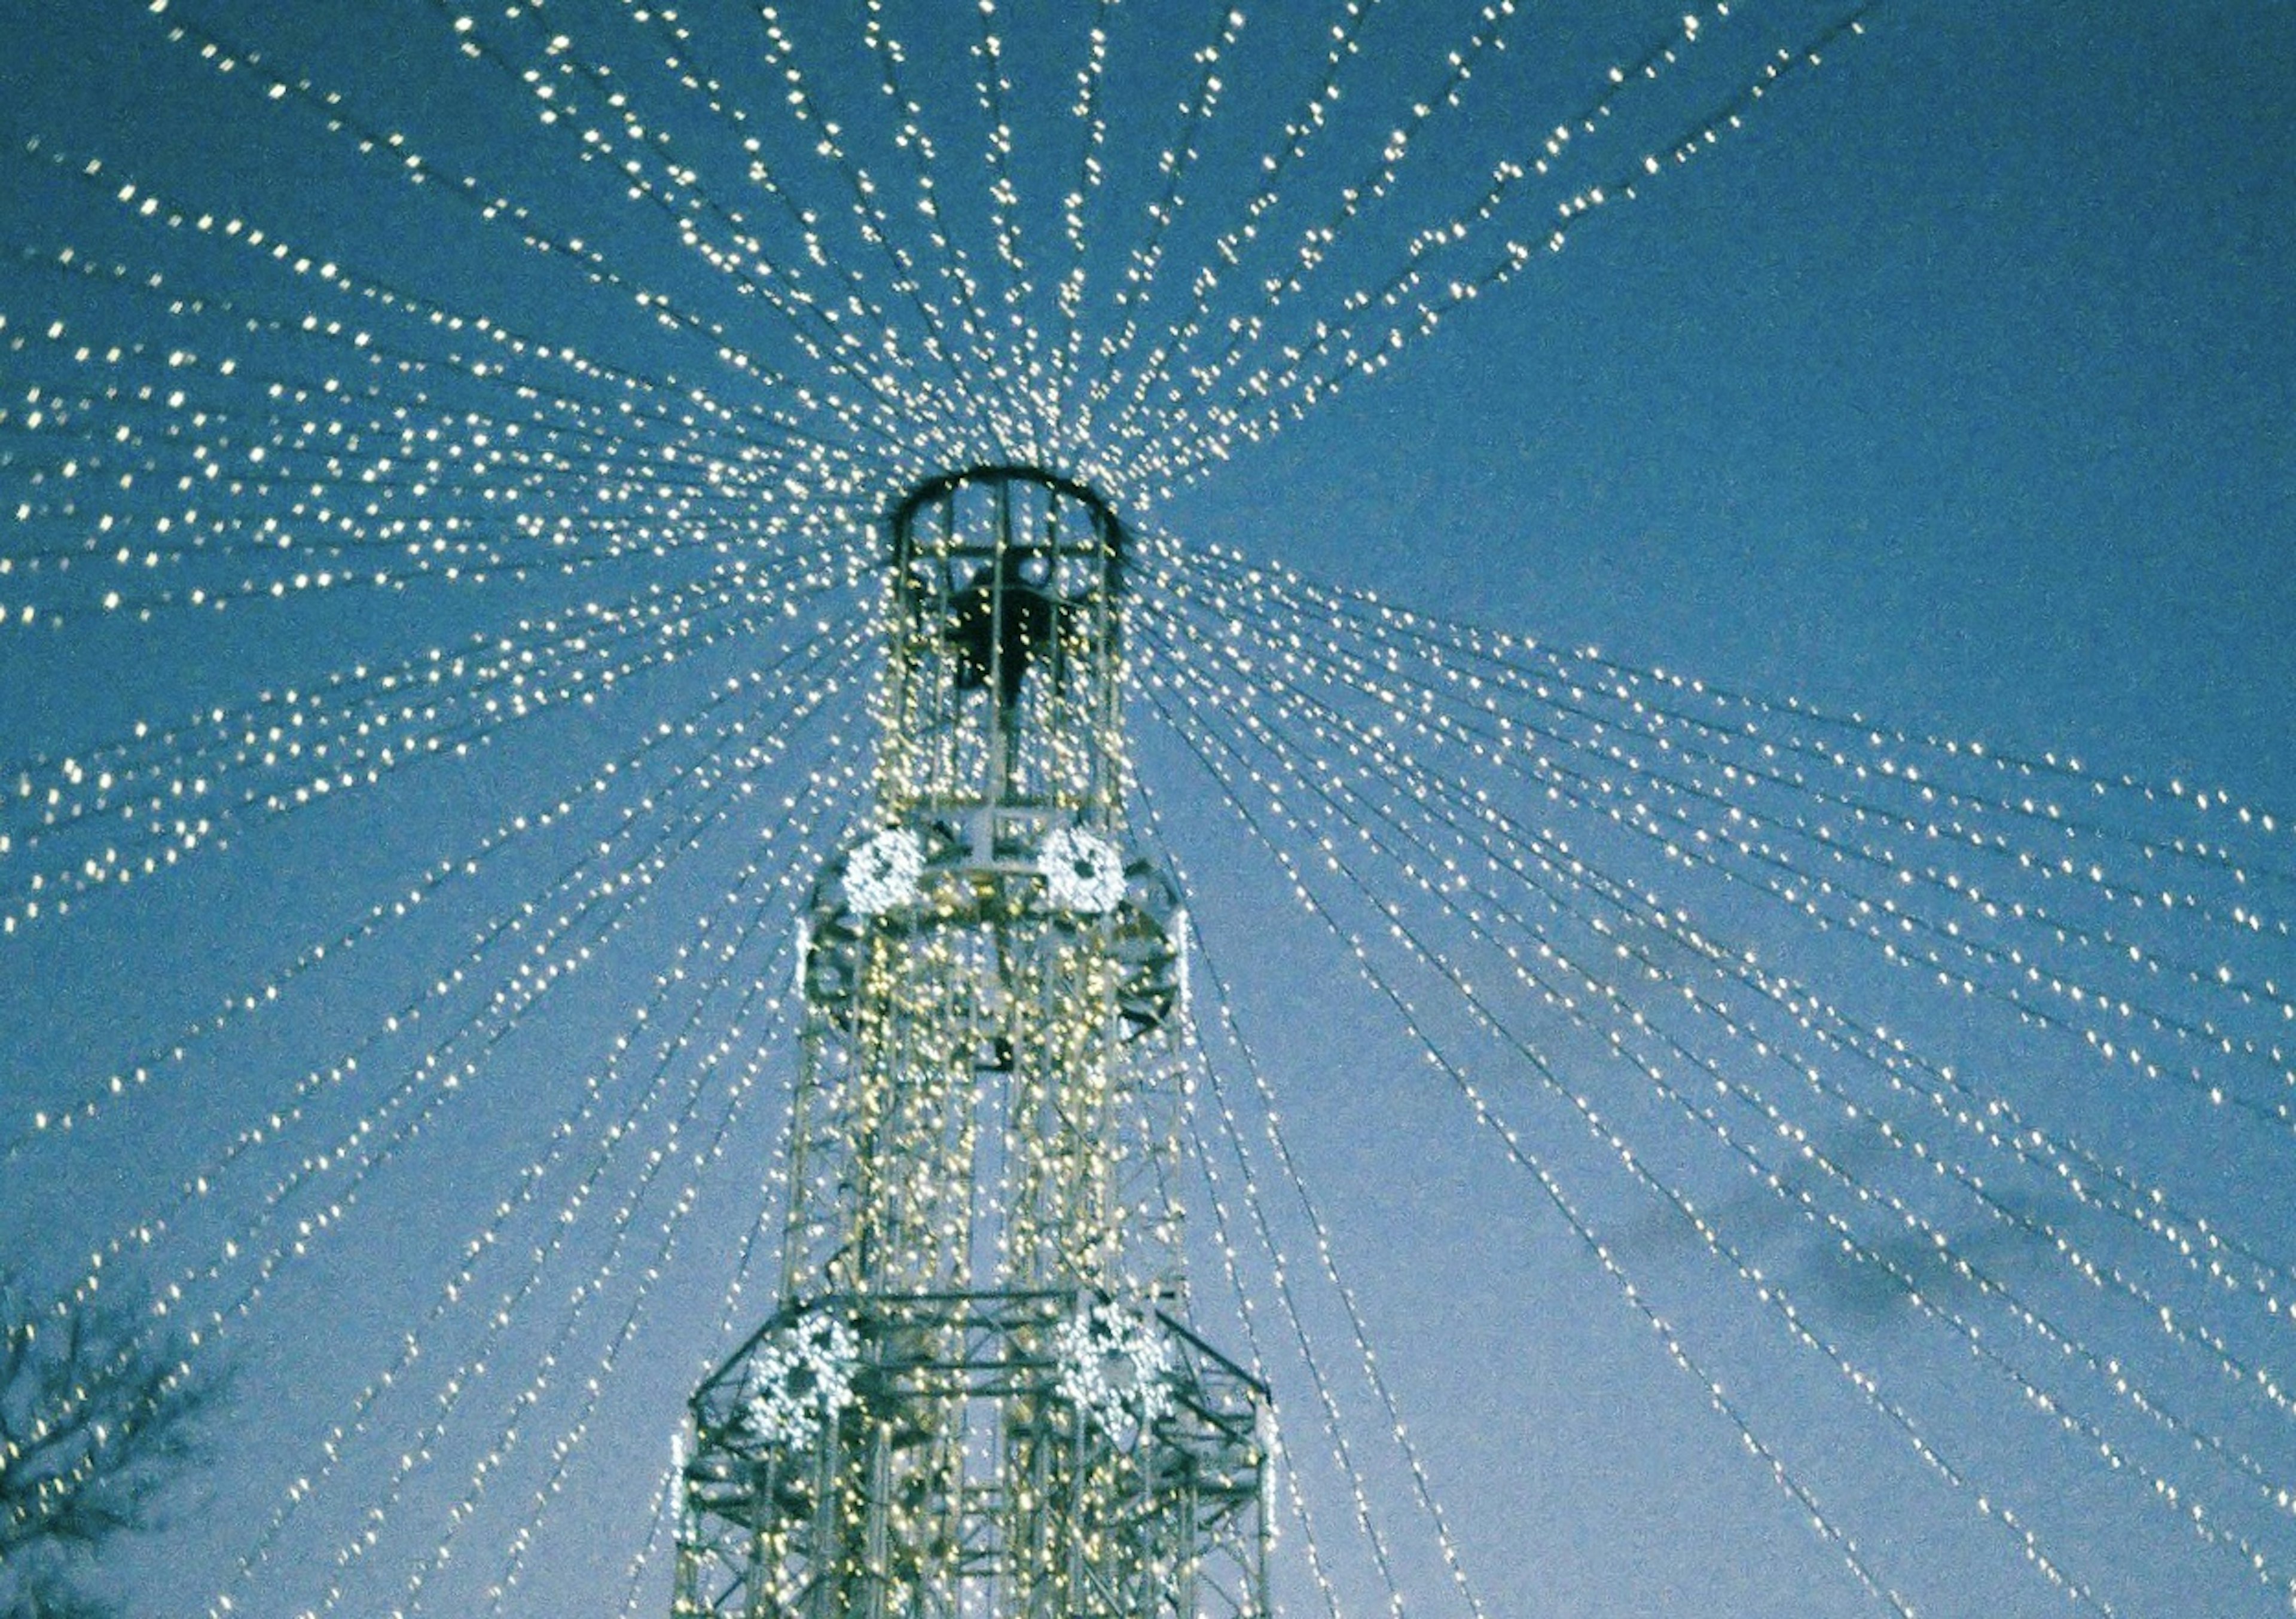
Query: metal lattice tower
(978, 1397)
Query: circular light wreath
(882, 874)
(1115, 1367)
(801, 1379)
(1083, 871)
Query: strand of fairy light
(684, 427)
(1519, 1152)
(1948, 1110)
(457, 532)
(1323, 772)
(1175, 163)
(1314, 247)
(1763, 1287)
(525, 492)
(530, 982)
(626, 889)
(667, 1505)
(1880, 747)
(912, 137)
(1862, 808)
(2023, 767)
(1300, 132)
(55, 792)
(1313, 387)
(802, 102)
(283, 400)
(1688, 842)
(641, 399)
(571, 1439)
(420, 560)
(152, 1228)
(1314, 773)
(755, 758)
(2043, 924)
(1358, 949)
(360, 1142)
(1231, 1265)
(1507, 829)
(1423, 1487)
(800, 827)
(2011, 964)
(2197, 1339)
(991, 87)
(413, 169)
(1334, 1425)
(2114, 1278)
(307, 1485)
(272, 420)
(826, 342)
(2062, 1160)
(56, 795)
(530, 1179)
(776, 1173)
(2109, 1372)
(1072, 413)
(1315, 243)
(1163, 1136)
(2040, 919)
(1278, 1453)
(679, 638)
(738, 771)
(1975, 1117)
(429, 315)
(369, 532)
(1295, 390)
(2095, 1038)
(1879, 763)
(662, 194)
(281, 747)
(413, 730)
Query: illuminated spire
(978, 1395)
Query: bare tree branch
(101, 1409)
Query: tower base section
(1016, 1455)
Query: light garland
(802, 1379)
(1115, 1368)
(1303, 774)
(883, 873)
(1083, 871)
(330, 434)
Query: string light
(210, 420)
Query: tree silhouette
(101, 1411)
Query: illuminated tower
(977, 1396)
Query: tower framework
(979, 1396)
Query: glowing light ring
(1115, 1367)
(801, 1379)
(882, 874)
(1083, 871)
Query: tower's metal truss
(978, 1397)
